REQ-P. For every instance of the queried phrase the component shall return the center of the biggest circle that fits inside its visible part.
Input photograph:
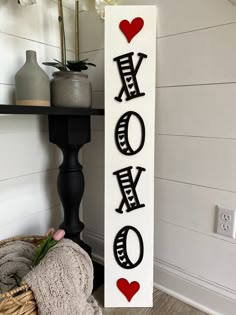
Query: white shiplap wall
(29, 203)
(195, 166)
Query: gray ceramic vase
(32, 83)
(71, 89)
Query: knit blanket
(15, 262)
(63, 281)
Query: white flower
(100, 6)
(26, 2)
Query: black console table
(69, 129)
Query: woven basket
(19, 301)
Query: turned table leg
(70, 133)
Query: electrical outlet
(226, 222)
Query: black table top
(49, 110)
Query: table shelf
(49, 110)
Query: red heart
(131, 29)
(128, 289)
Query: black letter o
(120, 248)
(121, 134)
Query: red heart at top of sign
(128, 289)
(131, 29)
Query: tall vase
(32, 83)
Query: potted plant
(69, 86)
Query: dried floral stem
(77, 30)
(62, 33)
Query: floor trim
(190, 292)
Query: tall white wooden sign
(130, 57)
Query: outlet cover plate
(226, 222)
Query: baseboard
(97, 244)
(192, 290)
(206, 296)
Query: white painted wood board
(95, 74)
(23, 196)
(27, 153)
(93, 223)
(203, 111)
(197, 57)
(96, 146)
(129, 214)
(93, 37)
(98, 99)
(7, 94)
(200, 161)
(189, 204)
(35, 224)
(181, 16)
(23, 123)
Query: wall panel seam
(184, 85)
(88, 51)
(22, 217)
(23, 131)
(193, 184)
(198, 232)
(181, 136)
(33, 40)
(8, 84)
(193, 136)
(195, 84)
(97, 91)
(196, 30)
(92, 167)
(175, 34)
(28, 174)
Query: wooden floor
(163, 305)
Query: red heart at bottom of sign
(128, 289)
